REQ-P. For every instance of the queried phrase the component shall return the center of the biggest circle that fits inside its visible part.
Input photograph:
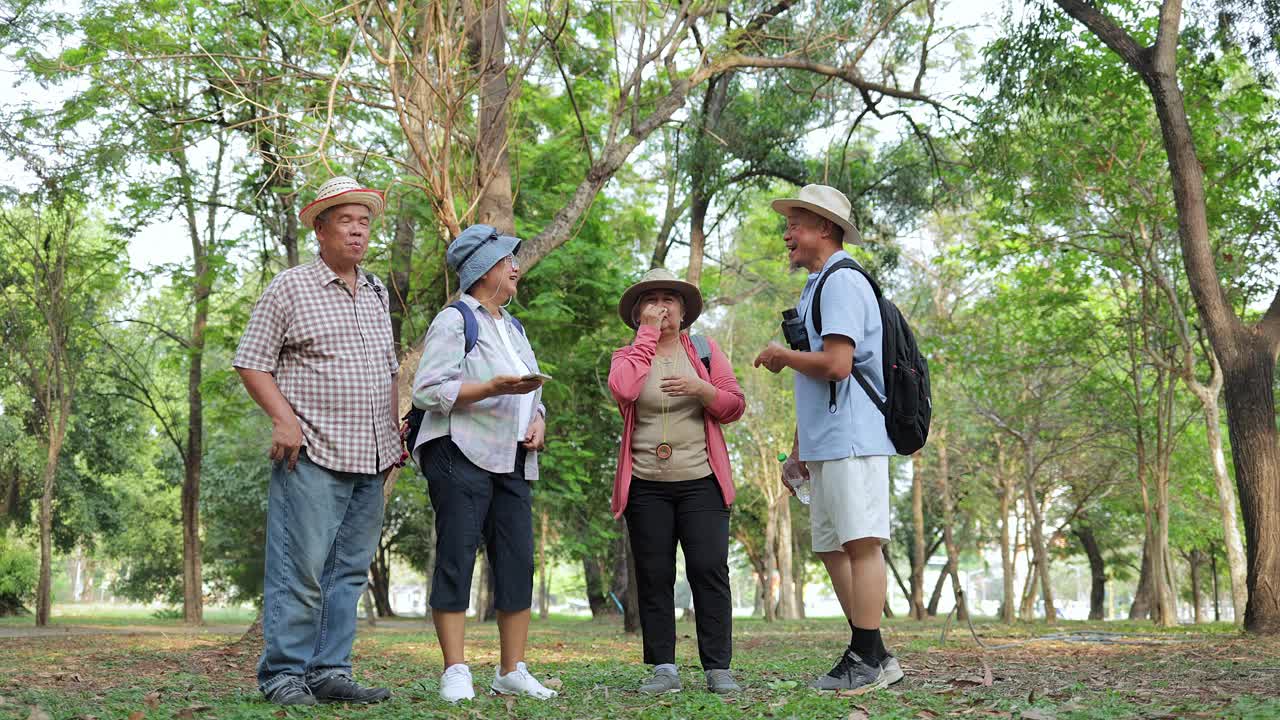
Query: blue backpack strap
(470, 331)
(516, 322)
(703, 346)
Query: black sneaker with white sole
(341, 689)
(851, 672)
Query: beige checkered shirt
(332, 355)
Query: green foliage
(17, 574)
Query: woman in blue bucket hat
(481, 389)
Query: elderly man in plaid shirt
(319, 358)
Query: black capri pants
(473, 505)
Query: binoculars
(793, 330)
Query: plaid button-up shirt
(484, 431)
(332, 355)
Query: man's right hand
(512, 385)
(793, 470)
(286, 441)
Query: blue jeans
(322, 531)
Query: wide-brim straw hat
(660, 279)
(825, 201)
(342, 190)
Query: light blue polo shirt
(856, 428)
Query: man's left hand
(773, 358)
(536, 438)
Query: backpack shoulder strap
(815, 307)
(516, 322)
(470, 330)
(703, 346)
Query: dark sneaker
(661, 682)
(340, 689)
(851, 673)
(292, 692)
(721, 682)
(892, 670)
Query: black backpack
(908, 404)
(412, 420)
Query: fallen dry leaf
(38, 713)
(968, 681)
(987, 679)
(927, 714)
(859, 714)
(152, 699)
(1035, 714)
(553, 683)
(136, 715)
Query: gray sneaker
(662, 682)
(292, 692)
(851, 673)
(892, 670)
(721, 682)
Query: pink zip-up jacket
(627, 373)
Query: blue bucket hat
(476, 250)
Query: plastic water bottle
(795, 480)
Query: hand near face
(652, 314)
(773, 358)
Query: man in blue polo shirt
(841, 443)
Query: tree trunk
(544, 596)
(1255, 448)
(1213, 568)
(597, 595)
(770, 566)
(948, 522)
(487, 47)
(370, 614)
(399, 279)
(485, 610)
(1236, 563)
(1141, 607)
(936, 597)
(380, 582)
(918, 558)
(798, 574)
(1026, 610)
(57, 433)
(1097, 570)
(1007, 566)
(1195, 560)
(786, 565)
(631, 607)
(1039, 552)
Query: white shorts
(850, 501)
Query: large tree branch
(1107, 31)
(848, 75)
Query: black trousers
(692, 512)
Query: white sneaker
(455, 683)
(520, 682)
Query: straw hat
(661, 278)
(825, 201)
(341, 190)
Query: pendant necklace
(663, 450)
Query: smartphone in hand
(536, 376)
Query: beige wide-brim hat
(342, 190)
(826, 201)
(661, 279)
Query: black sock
(868, 645)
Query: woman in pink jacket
(673, 482)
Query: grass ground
(1079, 673)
